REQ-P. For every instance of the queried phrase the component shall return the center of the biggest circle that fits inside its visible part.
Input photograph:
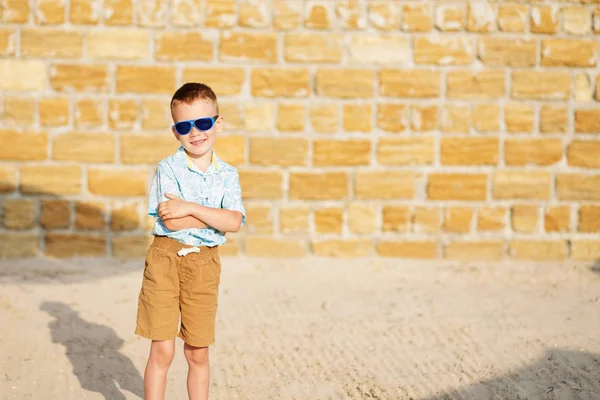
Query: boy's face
(197, 142)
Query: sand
(314, 329)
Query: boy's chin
(197, 151)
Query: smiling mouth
(197, 142)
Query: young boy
(196, 198)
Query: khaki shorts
(174, 285)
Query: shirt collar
(190, 162)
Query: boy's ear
(219, 124)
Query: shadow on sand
(93, 350)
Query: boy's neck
(201, 162)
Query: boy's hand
(173, 208)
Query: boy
(197, 199)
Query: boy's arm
(188, 222)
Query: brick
(351, 15)
(313, 47)
(341, 152)
(325, 118)
(424, 118)
(231, 149)
(130, 247)
(553, 119)
(275, 248)
(486, 117)
(426, 220)
(280, 82)
(395, 218)
(49, 42)
(587, 121)
(84, 12)
(538, 250)
(357, 117)
(570, 186)
(488, 250)
(293, 219)
(597, 20)
(145, 79)
(23, 146)
(524, 218)
(491, 218)
(362, 218)
(19, 213)
(291, 117)
(557, 219)
(450, 17)
(332, 82)
(496, 51)
(8, 179)
(153, 13)
(583, 90)
(259, 117)
(125, 217)
(406, 151)
(589, 218)
(383, 15)
(544, 19)
(456, 119)
(512, 17)
(225, 81)
(283, 152)
(261, 184)
(470, 151)
(260, 219)
(18, 245)
(15, 11)
(79, 78)
(384, 185)
(156, 115)
(457, 186)
(56, 180)
(349, 248)
(89, 215)
(318, 186)
(329, 220)
(107, 44)
(379, 49)
(183, 46)
(233, 112)
(536, 151)
(485, 84)
(53, 111)
(584, 153)
(519, 118)
(117, 182)
(123, 114)
(480, 17)
(84, 147)
(577, 20)
(220, 14)
(458, 219)
(413, 249)
(569, 53)
(318, 16)
(19, 111)
(444, 50)
(70, 245)
(22, 75)
(585, 250)
(521, 184)
(416, 17)
(249, 47)
(392, 117)
(254, 14)
(540, 85)
(138, 149)
(409, 83)
(8, 41)
(287, 14)
(186, 13)
(55, 214)
(118, 12)
(89, 113)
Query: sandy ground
(315, 329)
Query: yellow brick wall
(420, 129)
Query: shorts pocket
(156, 258)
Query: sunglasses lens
(183, 128)
(204, 124)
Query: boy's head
(196, 119)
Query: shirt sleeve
(232, 198)
(163, 182)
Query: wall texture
(421, 129)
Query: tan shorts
(174, 285)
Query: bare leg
(155, 377)
(198, 372)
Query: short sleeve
(163, 182)
(232, 199)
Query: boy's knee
(196, 355)
(162, 353)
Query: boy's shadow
(93, 350)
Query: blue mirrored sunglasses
(202, 124)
